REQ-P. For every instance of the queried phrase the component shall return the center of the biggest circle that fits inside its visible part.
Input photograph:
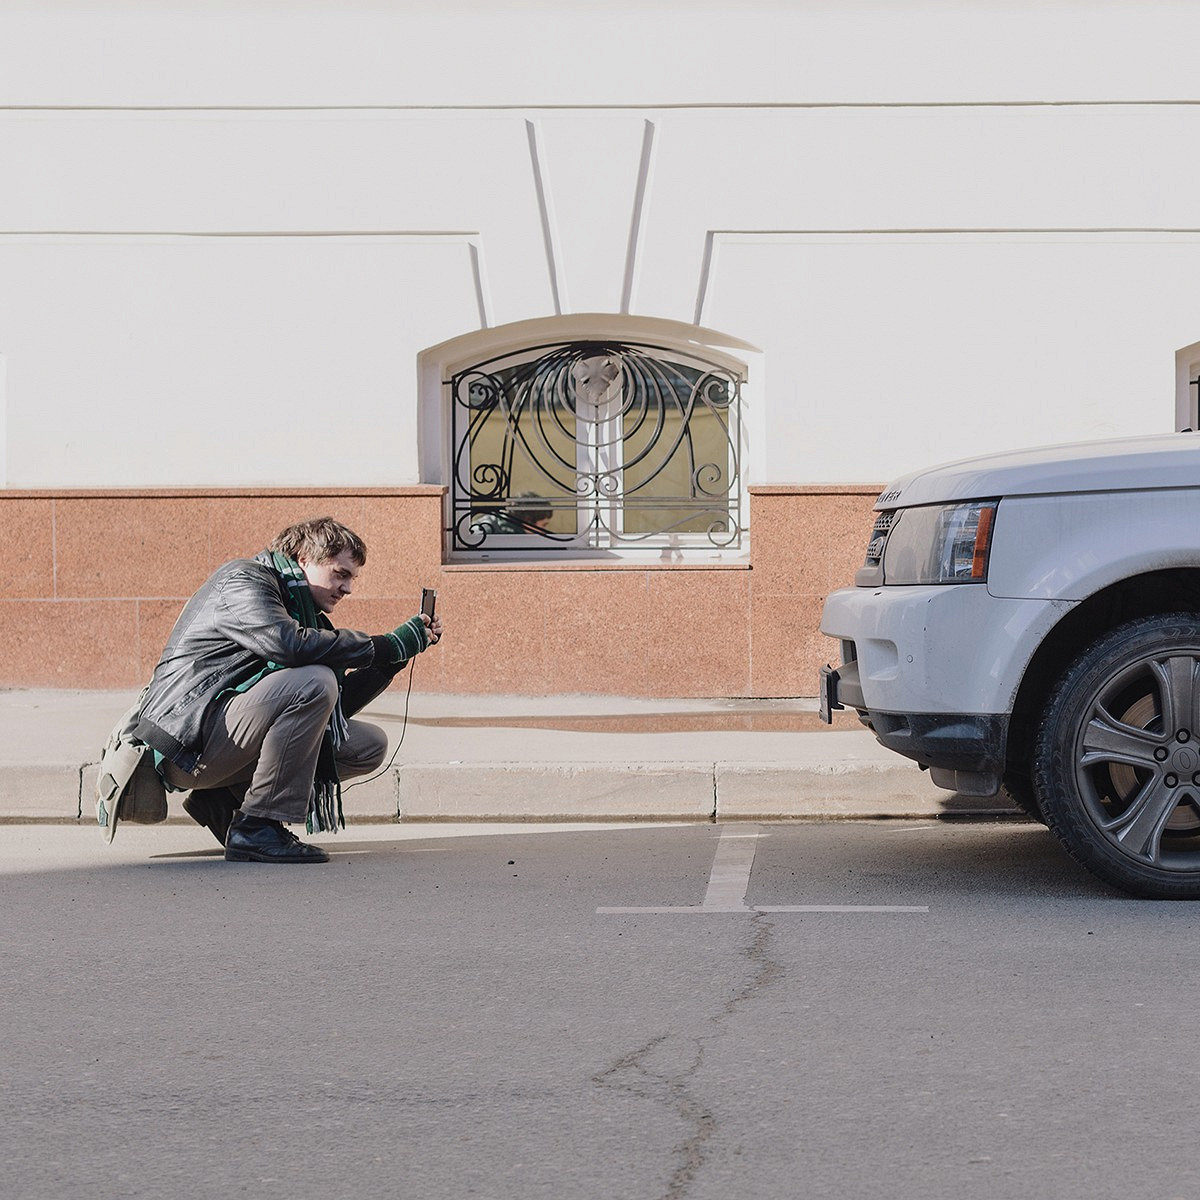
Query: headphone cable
(403, 730)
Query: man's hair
(529, 507)
(319, 539)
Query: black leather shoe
(213, 808)
(259, 839)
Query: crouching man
(249, 705)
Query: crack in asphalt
(638, 1074)
(767, 970)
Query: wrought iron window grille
(592, 446)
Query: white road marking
(730, 877)
(729, 881)
(843, 908)
(686, 908)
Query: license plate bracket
(827, 694)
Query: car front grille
(879, 534)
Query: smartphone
(428, 600)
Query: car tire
(1017, 788)
(1117, 757)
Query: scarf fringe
(325, 808)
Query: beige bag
(128, 788)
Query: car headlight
(942, 543)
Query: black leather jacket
(224, 637)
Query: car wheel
(1117, 760)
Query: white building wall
(947, 227)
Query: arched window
(595, 445)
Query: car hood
(1122, 464)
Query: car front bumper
(933, 672)
(963, 743)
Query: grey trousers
(263, 744)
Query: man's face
(330, 581)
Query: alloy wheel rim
(1137, 760)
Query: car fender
(1068, 547)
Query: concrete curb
(833, 790)
(556, 791)
(587, 791)
(676, 791)
(50, 791)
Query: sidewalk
(521, 758)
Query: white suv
(1030, 622)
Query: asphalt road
(844, 1010)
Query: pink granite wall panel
(847, 522)
(805, 543)
(788, 647)
(595, 639)
(495, 633)
(101, 577)
(131, 547)
(404, 543)
(29, 535)
(70, 643)
(698, 633)
(787, 547)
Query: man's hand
(434, 628)
(406, 641)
